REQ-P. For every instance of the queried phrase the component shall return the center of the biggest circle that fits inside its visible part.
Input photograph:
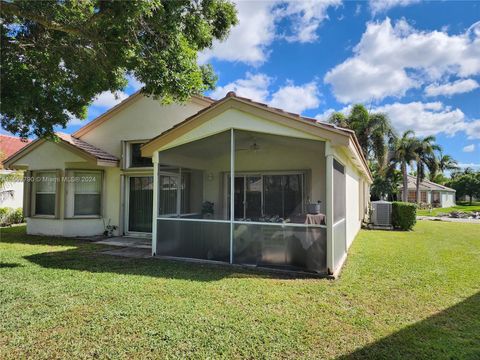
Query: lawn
(461, 206)
(402, 295)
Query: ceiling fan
(253, 147)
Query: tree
(467, 184)
(425, 157)
(58, 55)
(403, 153)
(373, 131)
(444, 163)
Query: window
(412, 196)
(423, 197)
(84, 193)
(136, 158)
(45, 190)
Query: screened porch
(277, 217)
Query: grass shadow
(88, 256)
(451, 334)
(9, 265)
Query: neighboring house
(300, 189)
(11, 193)
(430, 193)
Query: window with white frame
(84, 193)
(44, 193)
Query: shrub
(9, 216)
(404, 215)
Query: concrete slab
(130, 252)
(122, 241)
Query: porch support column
(155, 202)
(329, 206)
(232, 189)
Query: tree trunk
(419, 178)
(405, 182)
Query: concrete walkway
(449, 219)
(139, 248)
(123, 241)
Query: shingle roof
(424, 185)
(86, 147)
(9, 145)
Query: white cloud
(470, 165)
(424, 118)
(383, 5)
(254, 87)
(469, 148)
(249, 41)
(290, 97)
(108, 99)
(296, 99)
(391, 59)
(305, 16)
(457, 87)
(472, 129)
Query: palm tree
(373, 131)
(425, 158)
(444, 163)
(403, 153)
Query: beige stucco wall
(352, 186)
(52, 156)
(238, 120)
(141, 120)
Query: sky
(418, 62)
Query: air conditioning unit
(382, 214)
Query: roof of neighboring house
(82, 147)
(310, 121)
(9, 145)
(424, 185)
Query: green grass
(402, 295)
(461, 206)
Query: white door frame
(127, 206)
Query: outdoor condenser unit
(382, 213)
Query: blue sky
(419, 62)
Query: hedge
(404, 215)
(9, 216)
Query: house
(11, 193)
(430, 193)
(299, 192)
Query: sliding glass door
(268, 196)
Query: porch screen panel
(203, 240)
(280, 246)
(192, 220)
(339, 211)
